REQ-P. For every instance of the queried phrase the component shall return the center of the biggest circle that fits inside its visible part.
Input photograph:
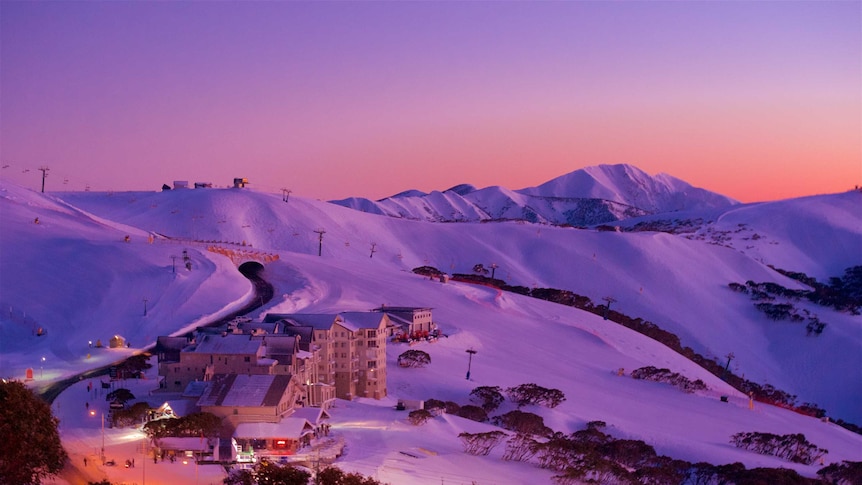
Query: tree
(419, 417)
(522, 422)
(30, 447)
(120, 395)
(268, 473)
(525, 394)
(135, 365)
(481, 444)
(474, 413)
(414, 358)
(335, 476)
(489, 397)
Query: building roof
(356, 320)
(402, 309)
(313, 415)
(291, 427)
(324, 321)
(245, 390)
(237, 344)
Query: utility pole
(608, 306)
(145, 306)
(320, 232)
(44, 171)
(730, 357)
(173, 264)
(373, 249)
(493, 267)
(470, 361)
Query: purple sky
(755, 100)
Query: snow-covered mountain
(589, 196)
(75, 275)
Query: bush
(525, 394)
(844, 473)
(680, 381)
(414, 358)
(474, 413)
(523, 423)
(419, 417)
(792, 447)
(481, 444)
(488, 397)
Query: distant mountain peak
(587, 196)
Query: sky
(754, 100)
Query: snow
(73, 275)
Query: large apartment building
(351, 346)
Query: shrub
(680, 381)
(844, 473)
(488, 397)
(419, 417)
(523, 423)
(481, 443)
(792, 447)
(414, 358)
(525, 394)
(471, 412)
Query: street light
(102, 454)
(470, 361)
(42, 368)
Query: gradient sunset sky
(756, 100)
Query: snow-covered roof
(291, 427)
(357, 320)
(313, 415)
(227, 344)
(245, 390)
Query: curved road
(263, 294)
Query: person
(85, 462)
(87, 405)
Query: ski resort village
(607, 327)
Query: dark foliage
(419, 417)
(523, 423)
(195, 424)
(844, 473)
(120, 395)
(481, 443)
(268, 473)
(488, 397)
(792, 447)
(131, 416)
(414, 358)
(335, 476)
(474, 413)
(680, 381)
(525, 394)
(135, 365)
(429, 271)
(30, 447)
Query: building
(240, 182)
(351, 346)
(409, 322)
(240, 398)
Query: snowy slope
(676, 282)
(593, 195)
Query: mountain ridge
(585, 197)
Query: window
(248, 359)
(372, 364)
(372, 333)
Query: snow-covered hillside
(589, 196)
(73, 274)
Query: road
(263, 294)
